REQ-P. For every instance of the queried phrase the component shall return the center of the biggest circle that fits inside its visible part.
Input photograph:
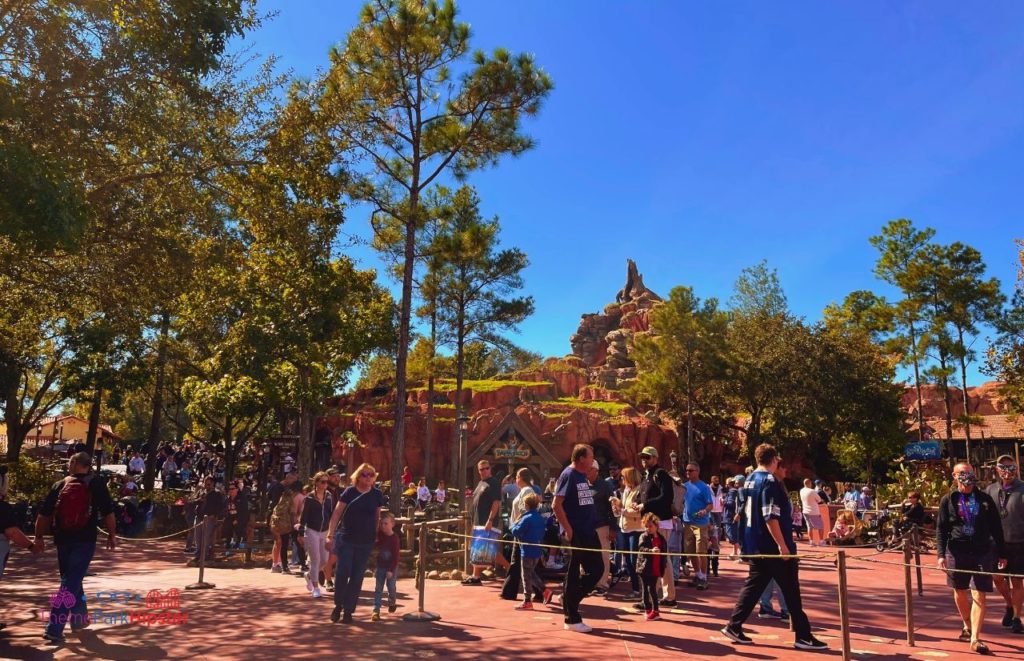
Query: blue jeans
(348, 573)
(378, 591)
(766, 597)
(628, 541)
(73, 559)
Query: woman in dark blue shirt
(355, 521)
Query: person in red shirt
(387, 564)
(406, 477)
(650, 563)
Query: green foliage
(608, 408)
(758, 291)
(481, 385)
(30, 480)
(930, 480)
(1005, 358)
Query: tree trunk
(94, 421)
(691, 448)
(16, 431)
(229, 450)
(917, 382)
(428, 433)
(304, 460)
(963, 386)
(158, 402)
(398, 439)
(460, 412)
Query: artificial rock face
(603, 341)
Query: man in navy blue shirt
(574, 508)
(768, 531)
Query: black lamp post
(350, 443)
(39, 432)
(463, 422)
(261, 488)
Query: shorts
(971, 560)
(1014, 558)
(814, 522)
(695, 538)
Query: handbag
(484, 547)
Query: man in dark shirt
(213, 504)
(1008, 494)
(486, 507)
(574, 509)
(656, 495)
(768, 531)
(967, 528)
(75, 547)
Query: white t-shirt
(439, 495)
(810, 501)
(423, 493)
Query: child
(798, 519)
(387, 564)
(650, 563)
(440, 493)
(845, 528)
(423, 494)
(529, 530)
(714, 548)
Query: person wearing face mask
(968, 527)
(1008, 494)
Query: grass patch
(609, 408)
(482, 385)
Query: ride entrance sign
(923, 451)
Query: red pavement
(253, 614)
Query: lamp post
(39, 432)
(261, 488)
(350, 443)
(463, 422)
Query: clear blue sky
(699, 138)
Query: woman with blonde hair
(627, 508)
(317, 508)
(355, 522)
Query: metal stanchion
(908, 594)
(844, 609)
(421, 582)
(203, 537)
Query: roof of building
(1000, 426)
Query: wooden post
(421, 581)
(908, 595)
(844, 609)
(917, 559)
(468, 531)
(204, 536)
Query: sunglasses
(691, 470)
(321, 481)
(1006, 468)
(485, 468)
(366, 474)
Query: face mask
(966, 479)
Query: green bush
(930, 480)
(30, 480)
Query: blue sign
(923, 450)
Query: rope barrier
(671, 554)
(934, 568)
(151, 539)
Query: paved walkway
(253, 614)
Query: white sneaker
(579, 627)
(309, 585)
(316, 592)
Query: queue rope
(151, 539)
(672, 554)
(934, 568)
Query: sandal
(965, 635)
(980, 647)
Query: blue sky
(700, 138)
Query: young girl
(529, 530)
(798, 518)
(650, 563)
(423, 494)
(387, 564)
(845, 528)
(440, 492)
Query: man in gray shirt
(1008, 494)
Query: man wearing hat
(656, 497)
(1008, 494)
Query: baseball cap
(818, 483)
(649, 451)
(740, 478)
(333, 470)
(1004, 456)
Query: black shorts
(1014, 558)
(971, 560)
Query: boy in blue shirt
(769, 532)
(529, 530)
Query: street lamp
(350, 443)
(39, 432)
(463, 422)
(261, 488)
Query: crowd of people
(645, 526)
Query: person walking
(510, 588)
(1008, 494)
(655, 498)
(768, 530)
(71, 511)
(486, 506)
(603, 493)
(630, 528)
(355, 522)
(968, 527)
(313, 522)
(386, 573)
(651, 563)
(810, 506)
(574, 509)
(529, 531)
(698, 503)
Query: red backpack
(74, 504)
